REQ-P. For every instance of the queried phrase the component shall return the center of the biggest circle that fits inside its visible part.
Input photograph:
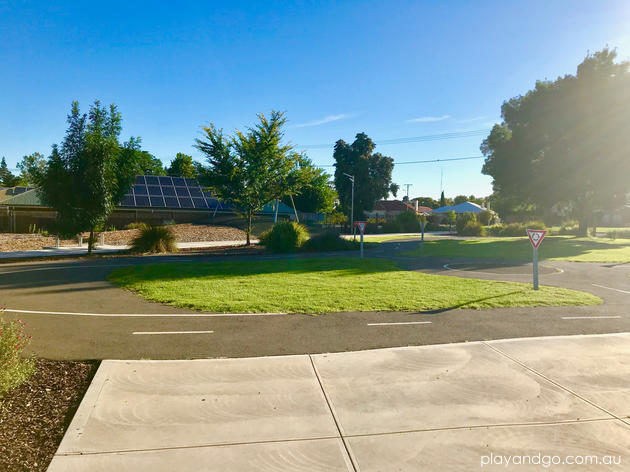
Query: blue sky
(391, 69)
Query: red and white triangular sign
(361, 225)
(536, 236)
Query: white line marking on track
(173, 332)
(143, 315)
(400, 323)
(591, 317)
(610, 288)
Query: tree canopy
(250, 168)
(372, 173)
(32, 166)
(313, 193)
(426, 202)
(183, 166)
(565, 144)
(7, 179)
(89, 173)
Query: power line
(423, 162)
(412, 139)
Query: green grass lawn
(326, 285)
(567, 248)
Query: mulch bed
(35, 415)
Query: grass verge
(561, 248)
(327, 285)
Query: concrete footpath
(108, 249)
(437, 408)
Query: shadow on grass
(519, 249)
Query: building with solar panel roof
(152, 199)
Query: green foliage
(514, 229)
(32, 168)
(485, 217)
(154, 239)
(88, 175)
(7, 179)
(427, 202)
(405, 222)
(565, 143)
(451, 217)
(462, 219)
(329, 241)
(183, 166)
(335, 218)
(138, 225)
(472, 228)
(14, 369)
(313, 194)
(372, 173)
(249, 169)
(442, 199)
(287, 236)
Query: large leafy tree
(144, 163)
(372, 173)
(32, 166)
(426, 202)
(183, 166)
(313, 193)
(565, 144)
(7, 179)
(249, 168)
(89, 173)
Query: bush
(486, 217)
(329, 241)
(472, 228)
(462, 220)
(514, 229)
(570, 227)
(284, 237)
(137, 226)
(13, 368)
(154, 239)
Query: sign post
(422, 225)
(535, 237)
(361, 225)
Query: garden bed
(35, 415)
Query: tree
(32, 167)
(145, 163)
(565, 143)
(313, 191)
(89, 174)
(460, 199)
(249, 169)
(372, 175)
(442, 199)
(7, 179)
(182, 166)
(451, 218)
(426, 202)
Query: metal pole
(275, 216)
(535, 268)
(361, 244)
(354, 234)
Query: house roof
(29, 198)
(465, 207)
(397, 205)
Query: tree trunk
(583, 227)
(90, 241)
(249, 227)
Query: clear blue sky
(390, 69)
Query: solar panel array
(19, 190)
(150, 191)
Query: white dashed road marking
(400, 323)
(610, 288)
(591, 317)
(173, 332)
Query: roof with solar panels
(150, 191)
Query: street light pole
(351, 177)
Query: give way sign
(536, 236)
(361, 225)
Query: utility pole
(407, 185)
(351, 178)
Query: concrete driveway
(450, 407)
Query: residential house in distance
(388, 209)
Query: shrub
(13, 368)
(461, 221)
(137, 226)
(570, 227)
(284, 237)
(486, 217)
(535, 225)
(154, 239)
(472, 228)
(329, 241)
